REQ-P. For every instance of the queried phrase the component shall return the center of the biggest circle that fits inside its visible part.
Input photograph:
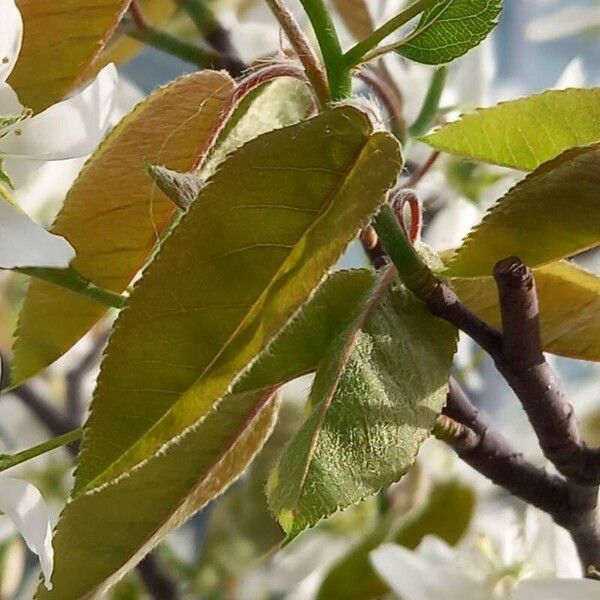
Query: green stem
(7, 461)
(431, 104)
(340, 83)
(415, 274)
(161, 40)
(201, 15)
(355, 54)
(70, 279)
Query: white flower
(506, 562)
(23, 504)
(563, 23)
(68, 129)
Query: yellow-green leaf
(113, 213)
(260, 237)
(524, 133)
(60, 39)
(569, 307)
(374, 400)
(552, 214)
(356, 17)
(449, 29)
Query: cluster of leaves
(238, 295)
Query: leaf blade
(338, 458)
(569, 300)
(259, 250)
(524, 133)
(552, 214)
(113, 211)
(450, 29)
(75, 31)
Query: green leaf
(552, 214)
(245, 257)
(569, 307)
(450, 29)
(204, 461)
(356, 16)
(374, 400)
(113, 212)
(104, 533)
(446, 515)
(524, 133)
(241, 528)
(272, 105)
(60, 39)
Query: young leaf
(114, 212)
(60, 39)
(449, 29)
(446, 515)
(356, 17)
(260, 237)
(279, 103)
(374, 400)
(524, 133)
(569, 307)
(205, 461)
(552, 214)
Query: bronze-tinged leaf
(114, 213)
(569, 307)
(60, 40)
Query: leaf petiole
(356, 53)
(7, 461)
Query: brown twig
(571, 505)
(488, 452)
(530, 376)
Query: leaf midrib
(249, 315)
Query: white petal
(9, 101)
(416, 577)
(563, 23)
(11, 35)
(573, 76)
(24, 506)
(24, 243)
(68, 129)
(557, 589)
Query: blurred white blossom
(22, 503)
(68, 129)
(565, 22)
(506, 558)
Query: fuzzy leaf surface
(450, 29)
(205, 461)
(114, 212)
(374, 400)
(245, 257)
(552, 214)
(524, 133)
(60, 39)
(569, 300)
